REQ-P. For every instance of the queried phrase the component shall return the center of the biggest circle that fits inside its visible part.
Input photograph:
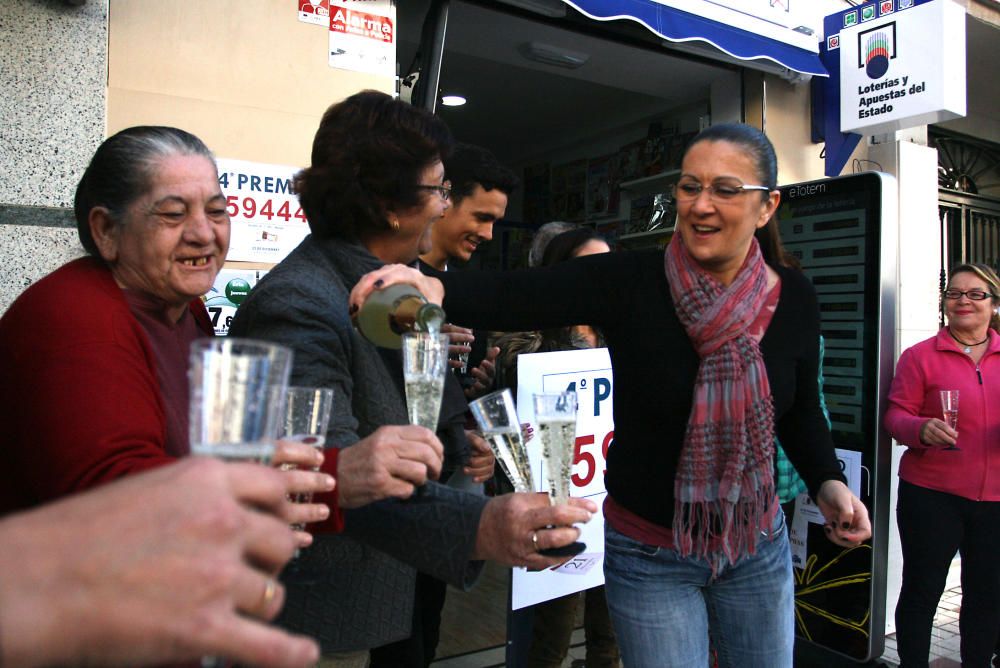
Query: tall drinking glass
(425, 362)
(497, 418)
(556, 416)
(237, 394)
(237, 390)
(306, 419)
(949, 407)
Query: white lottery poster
(807, 512)
(363, 36)
(316, 12)
(230, 289)
(267, 221)
(588, 372)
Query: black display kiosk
(844, 232)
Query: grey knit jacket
(365, 595)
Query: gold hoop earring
(394, 224)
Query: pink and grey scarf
(725, 485)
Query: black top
(627, 296)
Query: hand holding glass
(307, 416)
(497, 418)
(949, 407)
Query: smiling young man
(480, 186)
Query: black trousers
(933, 526)
(417, 651)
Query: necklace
(968, 346)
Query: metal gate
(970, 231)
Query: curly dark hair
(121, 172)
(469, 166)
(367, 157)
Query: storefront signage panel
(757, 30)
(266, 219)
(588, 373)
(363, 36)
(902, 64)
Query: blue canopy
(676, 25)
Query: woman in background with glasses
(949, 499)
(715, 350)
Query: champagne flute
(497, 419)
(556, 415)
(306, 418)
(949, 407)
(425, 362)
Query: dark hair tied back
(750, 139)
(121, 171)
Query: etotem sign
(902, 64)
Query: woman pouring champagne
(714, 347)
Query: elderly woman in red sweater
(949, 488)
(94, 356)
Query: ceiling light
(553, 8)
(553, 55)
(452, 100)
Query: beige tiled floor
(944, 640)
(944, 635)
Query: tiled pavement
(944, 642)
(944, 635)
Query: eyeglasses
(974, 295)
(720, 191)
(443, 190)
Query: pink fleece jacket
(973, 472)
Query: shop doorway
(580, 109)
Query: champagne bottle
(389, 313)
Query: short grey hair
(543, 235)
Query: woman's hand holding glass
(299, 463)
(937, 433)
(391, 462)
(481, 459)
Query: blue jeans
(665, 608)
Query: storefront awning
(755, 41)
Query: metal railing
(970, 231)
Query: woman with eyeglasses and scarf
(715, 351)
(949, 488)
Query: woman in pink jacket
(949, 499)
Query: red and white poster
(363, 36)
(316, 12)
(266, 219)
